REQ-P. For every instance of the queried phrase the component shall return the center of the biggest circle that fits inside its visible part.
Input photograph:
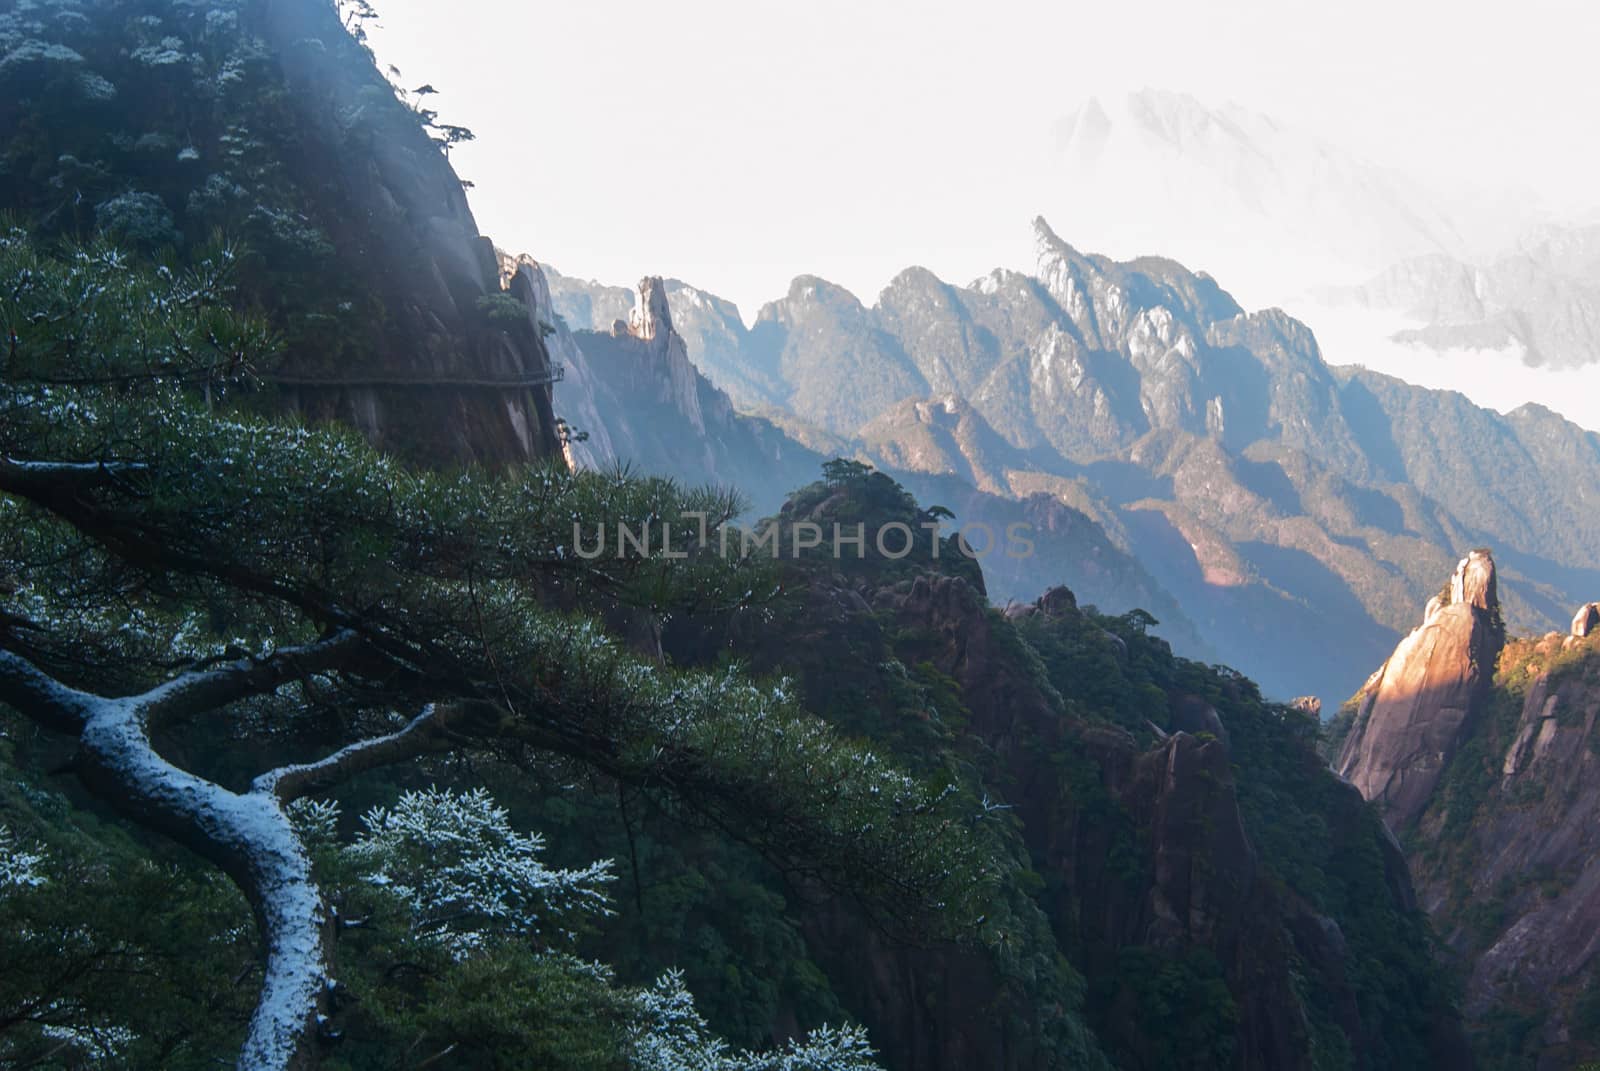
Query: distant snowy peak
(1272, 209)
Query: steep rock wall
(1485, 756)
(1414, 711)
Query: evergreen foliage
(261, 589)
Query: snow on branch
(209, 689)
(19, 868)
(42, 698)
(429, 732)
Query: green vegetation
(264, 594)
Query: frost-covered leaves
(91, 317)
(469, 877)
(316, 822)
(669, 1034)
(748, 756)
(19, 868)
(481, 907)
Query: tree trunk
(250, 838)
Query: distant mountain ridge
(1457, 285)
(634, 398)
(1540, 300)
(1296, 511)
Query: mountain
(1521, 325)
(158, 125)
(710, 325)
(1541, 300)
(658, 413)
(199, 585)
(1451, 286)
(633, 390)
(1250, 198)
(1481, 752)
(1295, 511)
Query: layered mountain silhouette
(1540, 300)
(1296, 512)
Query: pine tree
(176, 567)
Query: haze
(736, 145)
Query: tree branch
(40, 480)
(42, 698)
(55, 487)
(437, 729)
(212, 688)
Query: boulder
(1586, 620)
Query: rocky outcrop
(1201, 890)
(1413, 713)
(1533, 848)
(662, 364)
(268, 122)
(1511, 872)
(580, 397)
(441, 380)
(635, 391)
(1485, 755)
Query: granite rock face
(1513, 879)
(1540, 824)
(1202, 889)
(1484, 754)
(353, 234)
(1413, 712)
(395, 210)
(579, 397)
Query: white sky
(738, 143)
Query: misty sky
(738, 143)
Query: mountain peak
(1046, 239)
(811, 290)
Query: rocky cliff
(1212, 894)
(1484, 756)
(579, 398)
(155, 125)
(635, 385)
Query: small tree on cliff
(174, 569)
